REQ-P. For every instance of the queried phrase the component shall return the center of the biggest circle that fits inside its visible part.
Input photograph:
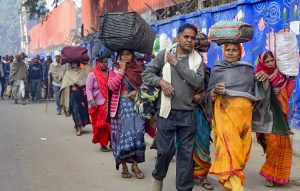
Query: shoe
(205, 184)
(58, 113)
(104, 149)
(269, 183)
(156, 185)
(16, 101)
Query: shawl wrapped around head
(269, 117)
(101, 79)
(277, 79)
(240, 81)
(239, 78)
(57, 71)
(133, 75)
(71, 77)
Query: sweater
(114, 84)
(184, 80)
(92, 90)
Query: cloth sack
(126, 31)
(71, 54)
(284, 46)
(203, 42)
(230, 31)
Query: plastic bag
(284, 46)
(8, 90)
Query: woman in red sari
(97, 95)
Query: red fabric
(101, 129)
(114, 83)
(151, 126)
(133, 73)
(101, 79)
(276, 78)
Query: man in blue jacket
(35, 79)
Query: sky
(49, 3)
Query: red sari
(101, 128)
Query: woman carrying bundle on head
(73, 96)
(127, 126)
(232, 92)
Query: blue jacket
(35, 71)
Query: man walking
(17, 78)
(182, 72)
(35, 78)
(55, 76)
(2, 76)
(46, 65)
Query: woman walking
(201, 154)
(127, 127)
(97, 95)
(230, 101)
(274, 135)
(73, 96)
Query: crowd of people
(231, 100)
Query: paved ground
(65, 162)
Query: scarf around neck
(239, 78)
(195, 61)
(133, 75)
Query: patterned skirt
(79, 109)
(277, 167)
(201, 153)
(127, 134)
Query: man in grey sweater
(179, 121)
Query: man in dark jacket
(35, 79)
(6, 70)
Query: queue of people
(194, 101)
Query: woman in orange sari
(276, 142)
(232, 90)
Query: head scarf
(275, 77)
(133, 72)
(101, 80)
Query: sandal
(104, 149)
(269, 183)
(125, 173)
(78, 130)
(205, 184)
(138, 173)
